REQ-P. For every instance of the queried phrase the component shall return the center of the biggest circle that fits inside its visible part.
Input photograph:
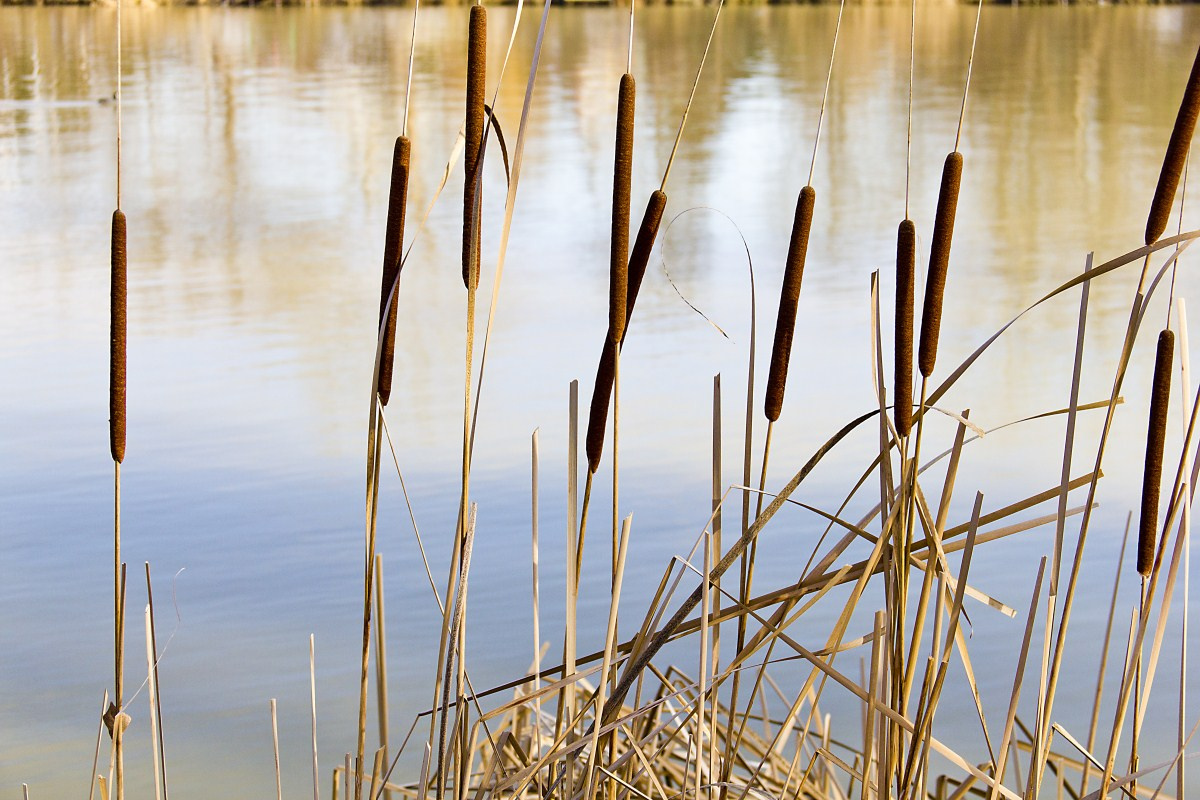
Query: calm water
(256, 155)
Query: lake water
(256, 154)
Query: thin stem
(825, 95)
(683, 121)
(912, 57)
(412, 50)
(962, 114)
(118, 103)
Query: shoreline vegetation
(625, 3)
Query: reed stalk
(275, 744)
(381, 671)
(312, 689)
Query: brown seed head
(116, 361)
(789, 299)
(393, 248)
(598, 412)
(939, 262)
(642, 246)
(476, 87)
(1176, 156)
(618, 281)
(1156, 434)
(906, 257)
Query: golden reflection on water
(257, 146)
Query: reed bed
(619, 718)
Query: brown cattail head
(642, 246)
(606, 372)
(906, 258)
(393, 248)
(789, 299)
(1176, 156)
(476, 80)
(939, 262)
(618, 276)
(116, 361)
(601, 395)
(1160, 397)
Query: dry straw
(939, 262)
(116, 368)
(476, 78)
(392, 249)
(622, 177)
(789, 298)
(906, 256)
(1160, 398)
(1176, 156)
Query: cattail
(393, 247)
(601, 396)
(789, 298)
(642, 245)
(1160, 396)
(116, 362)
(606, 372)
(618, 282)
(906, 257)
(1176, 156)
(939, 262)
(476, 79)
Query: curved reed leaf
(392, 246)
(1175, 157)
(906, 257)
(939, 262)
(116, 362)
(1160, 398)
(789, 298)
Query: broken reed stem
(275, 743)
(312, 689)
(392, 249)
(381, 688)
(1175, 157)
(1155, 437)
(472, 153)
(789, 299)
(939, 262)
(906, 255)
(152, 691)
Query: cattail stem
(618, 285)
(939, 262)
(392, 249)
(1175, 157)
(789, 299)
(472, 154)
(906, 255)
(1156, 434)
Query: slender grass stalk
(906, 254)
(381, 671)
(1160, 399)
(392, 250)
(155, 719)
(1175, 157)
(312, 689)
(537, 629)
(275, 743)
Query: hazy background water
(256, 155)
